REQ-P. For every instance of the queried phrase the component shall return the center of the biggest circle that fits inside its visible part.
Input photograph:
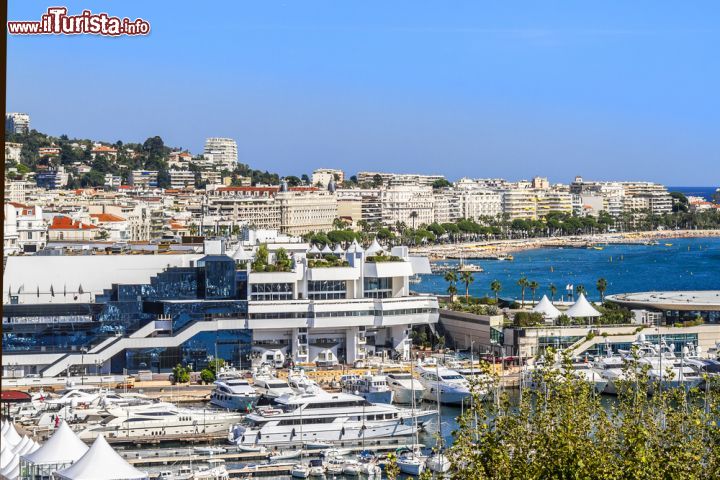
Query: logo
(56, 21)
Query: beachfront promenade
(490, 248)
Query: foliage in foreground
(562, 430)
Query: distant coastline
(492, 248)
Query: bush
(207, 376)
(180, 374)
(527, 319)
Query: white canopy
(326, 249)
(11, 436)
(62, 447)
(101, 462)
(354, 247)
(4, 427)
(338, 250)
(12, 469)
(582, 308)
(241, 255)
(6, 456)
(314, 250)
(546, 307)
(374, 249)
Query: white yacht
(610, 367)
(158, 419)
(588, 373)
(452, 386)
(272, 387)
(327, 417)
(405, 387)
(373, 388)
(234, 394)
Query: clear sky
(611, 89)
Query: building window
(271, 291)
(327, 290)
(378, 287)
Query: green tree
(553, 292)
(467, 278)
(522, 283)
(496, 287)
(533, 286)
(207, 376)
(601, 287)
(451, 276)
(181, 374)
(580, 290)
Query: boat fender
(292, 434)
(259, 435)
(342, 432)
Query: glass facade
(210, 290)
(377, 287)
(327, 290)
(271, 291)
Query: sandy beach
(495, 248)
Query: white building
(222, 152)
(144, 179)
(13, 151)
(17, 122)
(303, 211)
(25, 229)
(182, 179)
(323, 176)
(412, 205)
(390, 179)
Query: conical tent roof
(547, 309)
(338, 250)
(374, 249)
(5, 426)
(12, 437)
(20, 447)
(582, 308)
(314, 250)
(326, 249)
(5, 457)
(354, 247)
(241, 255)
(62, 447)
(101, 462)
(12, 469)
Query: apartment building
(476, 204)
(412, 205)
(323, 176)
(144, 179)
(553, 201)
(182, 179)
(303, 211)
(397, 179)
(13, 151)
(52, 178)
(25, 231)
(17, 122)
(520, 204)
(221, 152)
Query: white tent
(12, 469)
(374, 249)
(101, 462)
(11, 436)
(6, 456)
(240, 255)
(62, 448)
(582, 308)
(314, 250)
(547, 309)
(354, 247)
(5, 426)
(338, 250)
(326, 250)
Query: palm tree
(553, 291)
(451, 277)
(413, 216)
(467, 278)
(601, 287)
(522, 283)
(496, 286)
(533, 286)
(580, 290)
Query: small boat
(351, 468)
(316, 468)
(334, 465)
(300, 471)
(209, 450)
(438, 463)
(318, 445)
(251, 448)
(668, 244)
(285, 455)
(411, 462)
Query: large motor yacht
(373, 388)
(325, 417)
(406, 389)
(234, 394)
(453, 387)
(159, 419)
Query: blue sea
(686, 264)
(705, 192)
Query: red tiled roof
(103, 148)
(107, 217)
(66, 223)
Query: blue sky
(607, 90)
